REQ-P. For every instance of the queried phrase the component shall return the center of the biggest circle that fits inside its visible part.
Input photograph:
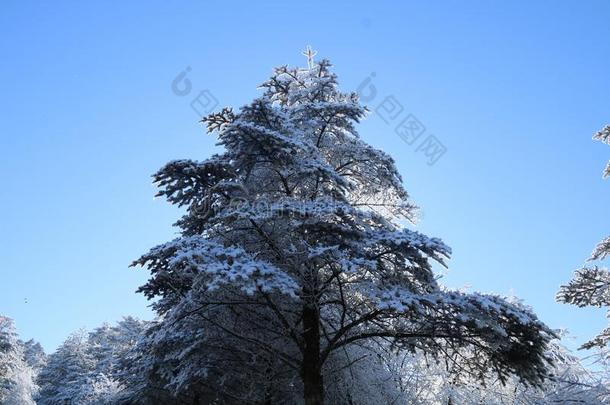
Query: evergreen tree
(17, 385)
(292, 251)
(34, 355)
(591, 284)
(9, 355)
(86, 368)
(107, 344)
(383, 376)
(145, 369)
(66, 372)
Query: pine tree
(145, 369)
(383, 376)
(292, 250)
(10, 355)
(17, 385)
(8, 340)
(107, 344)
(85, 369)
(591, 285)
(110, 346)
(34, 355)
(65, 374)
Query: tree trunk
(311, 372)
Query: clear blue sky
(513, 90)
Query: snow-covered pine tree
(107, 344)
(146, 370)
(293, 250)
(34, 355)
(17, 385)
(388, 377)
(65, 375)
(86, 368)
(9, 355)
(591, 284)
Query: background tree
(34, 355)
(359, 374)
(293, 249)
(62, 379)
(86, 368)
(183, 365)
(384, 376)
(9, 355)
(17, 385)
(591, 285)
